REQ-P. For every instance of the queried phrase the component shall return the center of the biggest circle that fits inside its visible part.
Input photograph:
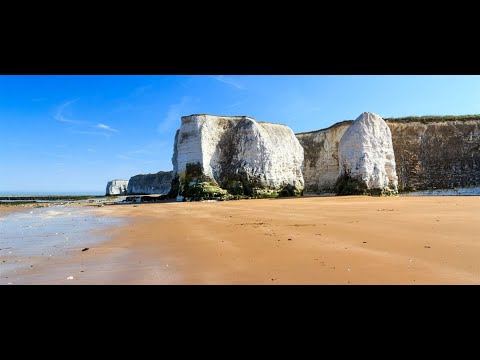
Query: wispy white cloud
(106, 127)
(228, 81)
(82, 127)
(174, 113)
(90, 150)
(60, 114)
(235, 105)
(93, 133)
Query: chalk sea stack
(217, 156)
(366, 158)
(116, 187)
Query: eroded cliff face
(438, 154)
(116, 187)
(145, 184)
(429, 153)
(238, 155)
(321, 168)
(366, 157)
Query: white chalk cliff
(117, 187)
(239, 151)
(158, 183)
(366, 154)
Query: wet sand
(8, 209)
(310, 240)
(33, 236)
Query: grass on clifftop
(435, 118)
(423, 119)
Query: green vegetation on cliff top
(422, 119)
(436, 118)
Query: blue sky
(74, 133)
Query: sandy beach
(309, 240)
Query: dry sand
(309, 240)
